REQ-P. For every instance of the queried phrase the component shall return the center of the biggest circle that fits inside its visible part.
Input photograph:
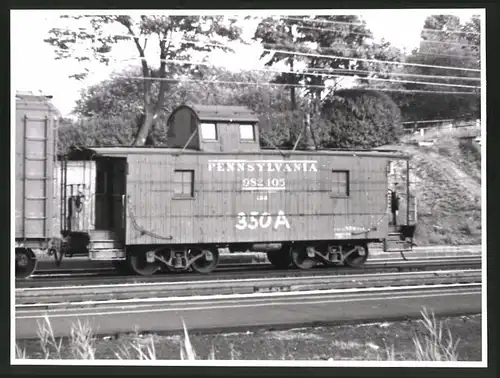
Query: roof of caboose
(223, 113)
(83, 153)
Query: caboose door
(110, 196)
(118, 173)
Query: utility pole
(308, 140)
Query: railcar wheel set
(173, 209)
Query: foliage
(431, 346)
(445, 42)
(109, 111)
(345, 36)
(97, 131)
(358, 118)
(95, 38)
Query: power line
(178, 61)
(286, 85)
(449, 43)
(321, 49)
(397, 74)
(449, 55)
(308, 69)
(371, 36)
(334, 48)
(337, 76)
(319, 55)
(372, 60)
(363, 24)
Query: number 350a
(262, 220)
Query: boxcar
(215, 187)
(36, 122)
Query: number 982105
(263, 183)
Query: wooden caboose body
(214, 186)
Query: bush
(358, 118)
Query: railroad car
(173, 208)
(35, 148)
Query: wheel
(138, 264)
(203, 264)
(280, 259)
(25, 262)
(358, 257)
(300, 258)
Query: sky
(33, 67)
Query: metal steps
(393, 243)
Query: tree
(445, 42)
(108, 112)
(354, 118)
(344, 36)
(272, 32)
(99, 43)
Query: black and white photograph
(241, 187)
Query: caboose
(173, 208)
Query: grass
(432, 342)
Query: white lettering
(264, 220)
(263, 165)
(242, 221)
(267, 217)
(254, 223)
(254, 183)
(281, 220)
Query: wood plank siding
(315, 196)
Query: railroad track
(240, 271)
(97, 296)
(84, 267)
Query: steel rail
(258, 271)
(88, 295)
(234, 313)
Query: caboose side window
(340, 183)
(247, 133)
(183, 183)
(208, 131)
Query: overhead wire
(319, 20)
(402, 74)
(335, 48)
(230, 82)
(319, 74)
(369, 35)
(315, 54)
(304, 73)
(177, 61)
(373, 60)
